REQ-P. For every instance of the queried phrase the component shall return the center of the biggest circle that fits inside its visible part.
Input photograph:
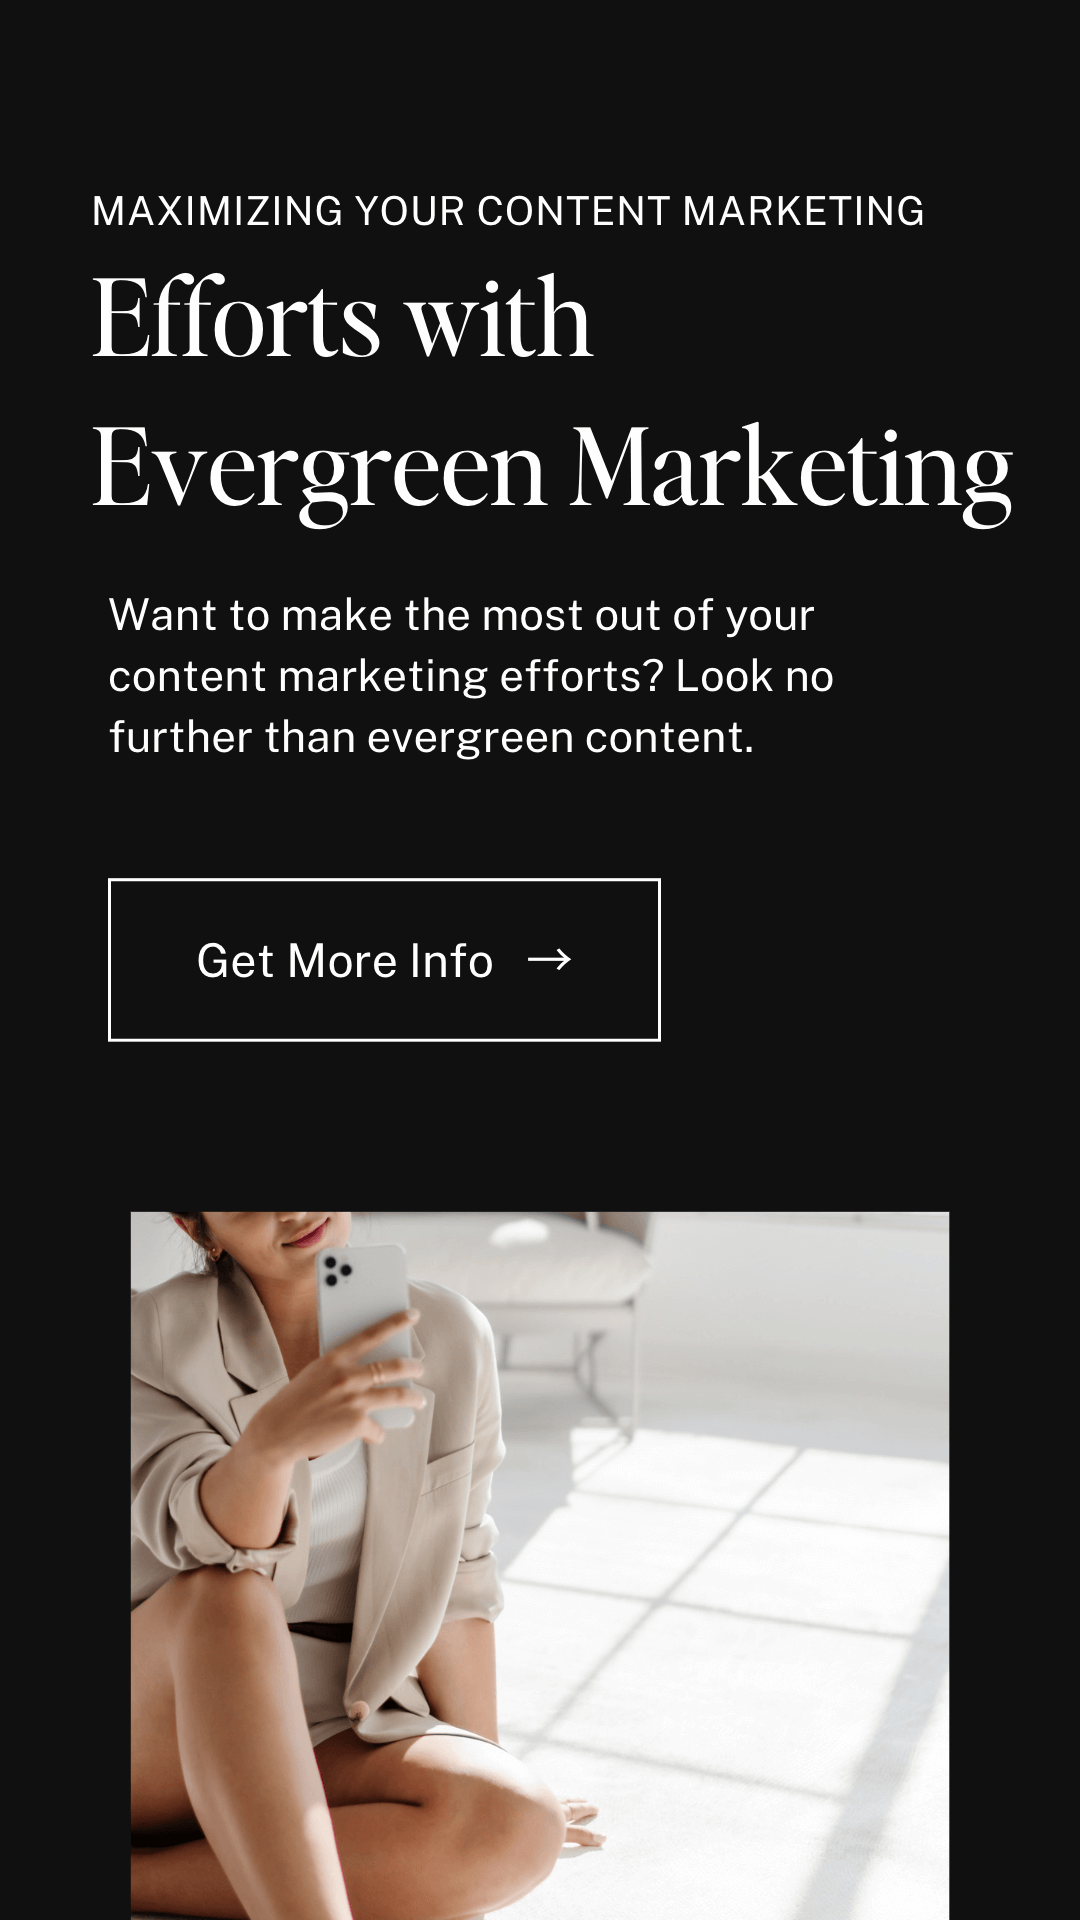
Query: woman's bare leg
(219, 1738)
(435, 1828)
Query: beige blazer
(205, 1359)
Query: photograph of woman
(314, 1731)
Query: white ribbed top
(338, 1501)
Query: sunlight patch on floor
(727, 1643)
(863, 1490)
(681, 1846)
(821, 1573)
(597, 1544)
(690, 1468)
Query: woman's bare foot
(574, 1812)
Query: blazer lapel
(395, 1477)
(248, 1344)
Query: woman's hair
(202, 1238)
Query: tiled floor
(731, 1635)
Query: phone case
(359, 1286)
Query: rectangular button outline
(401, 1040)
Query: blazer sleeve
(476, 1593)
(171, 1448)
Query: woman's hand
(244, 1494)
(574, 1812)
(331, 1400)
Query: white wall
(157, 1249)
(857, 1307)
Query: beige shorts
(323, 1669)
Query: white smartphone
(358, 1286)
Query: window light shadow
(665, 1469)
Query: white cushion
(506, 1258)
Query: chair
(581, 1273)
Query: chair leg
(635, 1369)
(583, 1367)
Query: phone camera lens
(331, 1279)
(330, 1261)
(346, 1270)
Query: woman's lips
(309, 1239)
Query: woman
(313, 1658)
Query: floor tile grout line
(702, 1606)
(811, 1519)
(530, 1742)
(652, 1605)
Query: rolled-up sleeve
(476, 1593)
(171, 1448)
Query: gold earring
(215, 1253)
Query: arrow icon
(561, 958)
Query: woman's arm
(245, 1494)
(199, 1501)
(457, 1674)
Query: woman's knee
(537, 1831)
(510, 1833)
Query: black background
(809, 885)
